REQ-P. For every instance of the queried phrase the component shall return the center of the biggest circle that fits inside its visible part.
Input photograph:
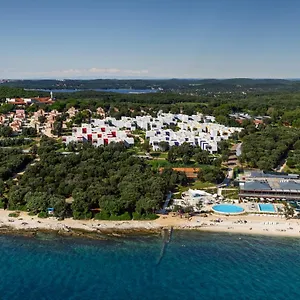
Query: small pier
(166, 238)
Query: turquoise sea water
(194, 266)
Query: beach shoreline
(243, 224)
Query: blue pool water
(227, 209)
(266, 207)
(194, 265)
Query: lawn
(198, 185)
(156, 164)
(290, 170)
(231, 194)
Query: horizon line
(151, 78)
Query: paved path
(166, 204)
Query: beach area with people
(276, 225)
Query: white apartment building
(197, 130)
(98, 135)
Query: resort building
(196, 130)
(174, 129)
(98, 135)
(241, 117)
(194, 199)
(264, 186)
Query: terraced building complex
(173, 129)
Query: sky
(149, 39)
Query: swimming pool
(267, 207)
(228, 209)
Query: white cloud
(72, 73)
(97, 70)
(134, 72)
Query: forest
(265, 148)
(108, 180)
(12, 161)
(282, 106)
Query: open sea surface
(194, 265)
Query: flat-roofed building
(270, 186)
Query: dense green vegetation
(211, 174)
(14, 142)
(281, 107)
(279, 104)
(5, 131)
(109, 178)
(293, 160)
(266, 148)
(18, 92)
(12, 161)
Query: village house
(20, 114)
(29, 101)
(16, 125)
(100, 112)
(72, 111)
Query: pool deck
(228, 212)
(249, 208)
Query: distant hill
(213, 85)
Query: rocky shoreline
(27, 225)
(103, 234)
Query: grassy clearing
(198, 185)
(232, 194)
(163, 155)
(291, 170)
(156, 164)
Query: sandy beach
(243, 224)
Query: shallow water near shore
(194, 265)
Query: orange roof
(189, 172)
(46, 100)
(257, 122)
(18, 102)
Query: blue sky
(150, 38)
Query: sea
(193, 265)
